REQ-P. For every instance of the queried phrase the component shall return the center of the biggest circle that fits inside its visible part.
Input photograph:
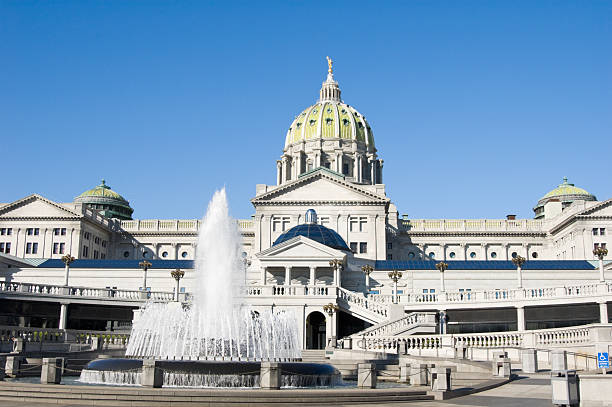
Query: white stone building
(328, 164)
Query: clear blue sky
(478, 107)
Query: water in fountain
(216, 325)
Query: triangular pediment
(301, 248)
(603, 208)
(320, 187)
(36, 206)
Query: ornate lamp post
(336, 265)
(144, 265)
(600, 253)
(395, 275)
(367, 270)
(177, 275)
(518, 262)
(442, 267)
(330, 309)
(246, 262)
(67, 259)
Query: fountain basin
(209, 374)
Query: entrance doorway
(315, 331)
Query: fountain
(216, 341)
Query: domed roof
(102, 190)
(329, 118)
(107, 201)
(567, 192)
(316, 232)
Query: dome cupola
(108, 202)
(330, 134)
(565, 193)
(316, 232)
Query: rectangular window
(29, 231)
(7, 248)
(324, 220)
(55, 248)
(1, 247)
(389, 256)
(345, 169)
(86, 235)
(2, 231)
(85, 251)
(602, 231)
(63, 231)
(102, 255)
(353, 247)
(29, 248)
(95, 254)
(34, 248)
(36, 230)
(56, 231)
(595, 230)
(61, 248)
(103, 243)
(363, 247)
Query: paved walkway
(532, 391)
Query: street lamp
(600, 253)
(330, 309)
(442, 267)
(518, 262)
(67, 259)
(367, 270)
(177, 275)
(246, 262)
(144, 265)
(336, 265)
(395, 275)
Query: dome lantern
(108, 202)
(566, 193)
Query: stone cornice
(474, 234)
(330, 203)
(35, 197)
(319, 174)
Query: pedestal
(12, 365)
(366, 376)
(51, 372)
(270, 376)
(418, 374)
(152, 374)
(441, 379)
(404, 373)
(558, 362)
(529, 359)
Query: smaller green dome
(566, 189)
(107, 201)
(102, 190)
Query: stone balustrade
(474, 225)
(16, 288)
(579, 337)
(30, 334)
(399, 325)
(173, 225)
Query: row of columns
(312, 275)
(520, 317)
(290, 167)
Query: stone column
(313, 275)
(287, 275)
(284, 170)
(603, 312)
(355, 167)
(520, 318)
(602, 276)
(63, 316)
(279, 172)
(264, 272)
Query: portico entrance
(315, 331)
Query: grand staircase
(362, 307)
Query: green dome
(567, 191)
(107, 201)
(329, 120)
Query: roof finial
(565, 180)
(330, 64)
(103, 181)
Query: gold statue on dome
(330, 62)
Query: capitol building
(326, 234)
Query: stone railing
(289, 291)
(475, 225)
(14, 288)
(577, 336)
(106, 339)
(173, 225)
(360, 304)
(399, 325)
(514, 295)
